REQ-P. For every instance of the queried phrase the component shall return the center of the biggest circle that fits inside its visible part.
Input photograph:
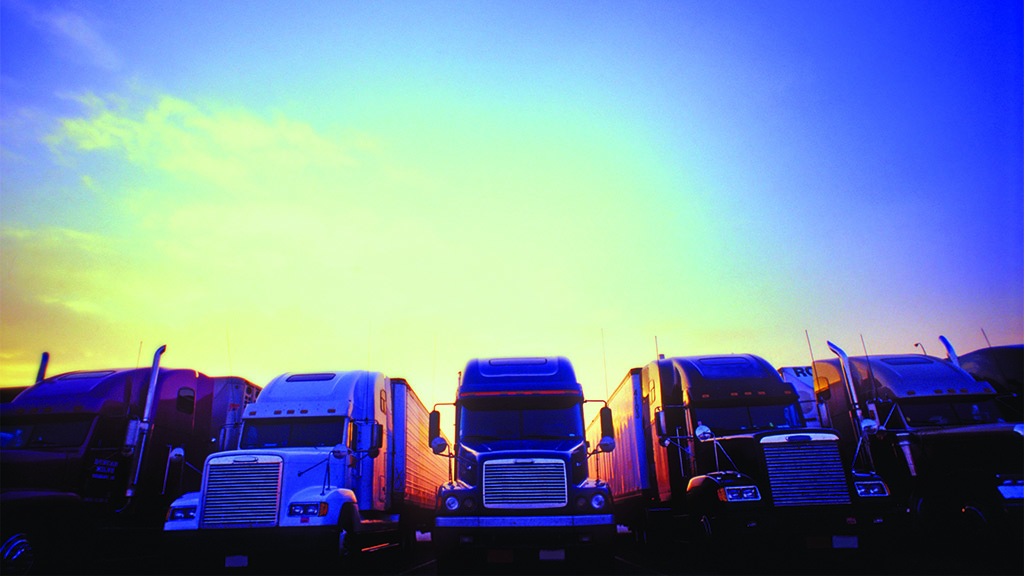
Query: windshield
(950, 413)
(512, 420)
(733, 419)
(292, 432)
(48, 434)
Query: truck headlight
(739, 494)
(1012, 489)
(597, 501)
(307, 509)
(872, 488)
(451, 503)
(182, 513)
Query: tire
(18, 554)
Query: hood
(37, 470)
(978, 431)
(564, 445)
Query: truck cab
(521, 489)
(104, 451)
(323, 468)
(951, 449)
(306, 468)
(736, 458)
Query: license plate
(236, 561)
(552, 554)
(499, 556)
(844, 541)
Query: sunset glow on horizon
(268, 188)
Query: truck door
(382, 416)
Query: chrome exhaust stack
(145, 424)
(860, 425)
(950, 352)
(41, 375)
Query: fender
(702, 491)
(335, 499)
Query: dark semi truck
(714, 450)
(950, 446)
(521, 490)
(90, 460)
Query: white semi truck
(329, 464)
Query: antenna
(657, 353)
(871, 374)
(604, 355)
(814, 374)
(138, 360)
(369, 332)
(986, 337)
(433, 384)
(227, 337)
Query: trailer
(714, 450)
(329, 465)
(522, 492)
(90, 460)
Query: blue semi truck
(521, 489)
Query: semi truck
(329, 465)
(521, 491)
(951, 451)
(1000, 366)
(714, 450)
(90, 459)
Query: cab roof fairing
(309, 394)
(722, 377)
(512, 376)
(905, 376)
(101, 392)
(1002, 366)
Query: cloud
(232, 151)
(76, 34)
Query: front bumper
(515, 538)
(247, 546)
(811, 529)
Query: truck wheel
(349, 545)
(18, 554)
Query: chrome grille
(525, 483)
(242, 494)
(806, 473)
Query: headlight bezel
(308, 509)
(871, 488)
(739, 493)
(177, 513)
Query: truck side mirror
(437, 443)
(704, 433)
(607, 443)
(131, 437)
(376, 440)
(661, 427)
(822, 390)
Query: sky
(270, 187)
